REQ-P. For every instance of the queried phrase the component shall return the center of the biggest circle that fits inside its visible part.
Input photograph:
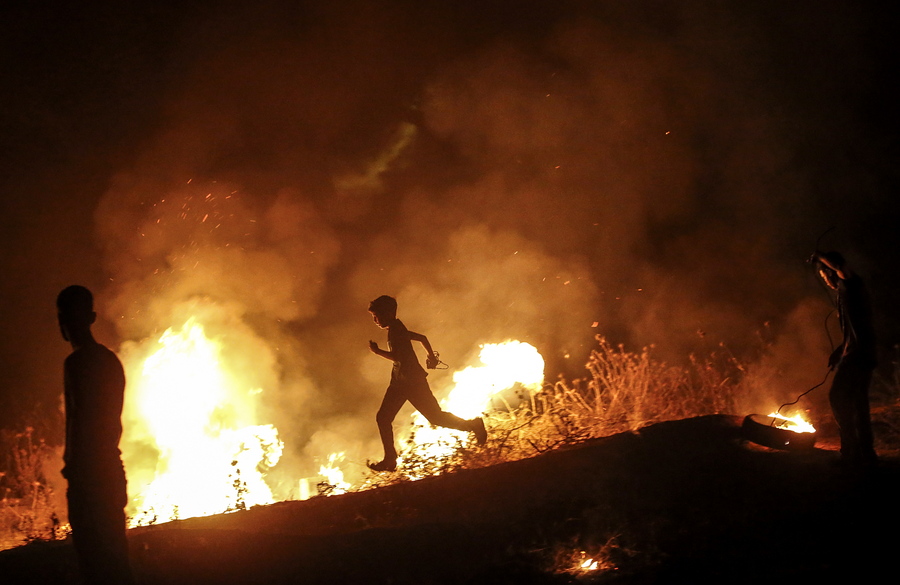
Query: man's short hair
(384, 304)
(75, 299)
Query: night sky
(517, 169)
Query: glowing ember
(503, 366)
(211, 458)
(795, 423)
(589, 565)
(579, 563)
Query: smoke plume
(640, 173)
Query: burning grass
(623, 391)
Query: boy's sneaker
(383, 465)
(480, 431)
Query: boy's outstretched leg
(443, 418)
(479, 430)
(427, 404)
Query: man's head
(75, 310)
(384, 310)
(829, 265)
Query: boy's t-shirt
(406, 363)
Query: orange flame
(503, 366)
(795, 423)
(195, 417)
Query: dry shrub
(624, 391)
(27, 511)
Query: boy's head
(384, 310)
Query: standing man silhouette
(853, 360)
(94, 392)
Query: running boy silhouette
(408, 382)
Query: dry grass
(622, 391)
(27, 511)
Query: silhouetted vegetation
(27, 510)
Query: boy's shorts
(416, 391)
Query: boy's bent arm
(423, 340)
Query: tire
(760, 429)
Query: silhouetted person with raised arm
(94, 391)
(853, 360)
(408, 382)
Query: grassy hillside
(676, 502)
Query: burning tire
(766, 431)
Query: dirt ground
(686, 501)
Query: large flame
(503, 366)
(211, 456)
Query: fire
(333, 475)
(589, 565)
(503, 366)
(580, 562)
(476, 390)
(329, 482)
(211, 457)
(795, 423)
